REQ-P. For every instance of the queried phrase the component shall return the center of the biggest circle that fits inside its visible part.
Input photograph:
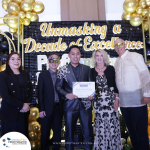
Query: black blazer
(64, 82)
(110, 75)
(46, 94)
(12, 102)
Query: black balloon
(1, 37)
(4, 45)
(3, 58)
(8, 34)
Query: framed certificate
(84, 89)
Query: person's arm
(114, 80)
(29, 90)
(41, 93)
(116, 102)
(6, 95)
(144, 76)
(60, 83)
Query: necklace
(101, 69)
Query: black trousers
(85, 117)
(21, 125)
(136, 119)
(46, 124)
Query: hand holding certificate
(84, 89)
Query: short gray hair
(105, 56)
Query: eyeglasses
(54, 60)
(119, 44)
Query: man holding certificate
(75, 77)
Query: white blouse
(132, 79)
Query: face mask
(119, 44)
(54, 60)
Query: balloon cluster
(136, 11)
(26, 10)
(4, 48)
(34, 129)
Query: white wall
(114, 10)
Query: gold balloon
(3, 67)
(136, 20)
(129, 6)
(126, 16)
(13, 8)
(5, 6)
(34, 17)
(32, 136)
(34, 111)
(34, 145)
(26, 6)
(28, 15)
(36, 127)
(39, 144)
(32, 1)
(12, 22)
(148, 2)
(38, 7)
(8, 1)
(145, 12)
(21, 14)
(139, 10)
(145, 25)
(142, 3)
(4, 2)
(39, 136)
(17, 1)
(15, 36)
(129, 142)
(51, 134)
(26, 21)
(12, 30)
(30, 125)
(5, 20)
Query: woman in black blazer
(16, 93)
(107, 128)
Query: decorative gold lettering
(117, 29)
(79, 31)
(38, 47)
(102, 45)
(28, 41)
(139, 45)
(43, 47)
(133, 45)
(103, 32)
(86, 29)
(78, 42)
(43, 27)
(86, 42)
(108, 45)
(72, 31)
(128, 43)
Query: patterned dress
(107, 129)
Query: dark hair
(53, 54)
(8, 69)
(74, 46)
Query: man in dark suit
(50, 104)
(75, 107)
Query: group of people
(126, 84)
